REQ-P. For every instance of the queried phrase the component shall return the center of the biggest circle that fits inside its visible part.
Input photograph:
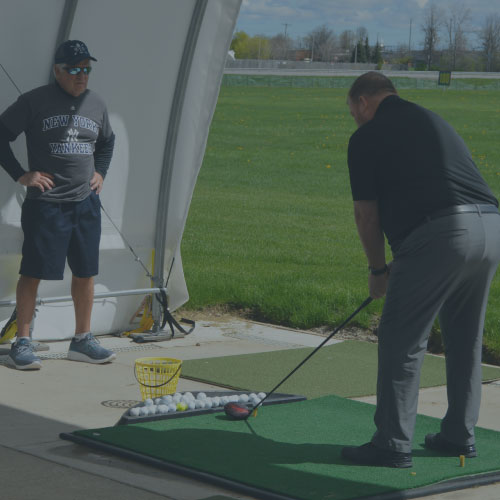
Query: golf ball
(176, 399)
(172, 407)
(216, 401)
(153, 409)
(163, 409)
(261, 395)
(199, 404)
(243, 398)
(224, 400)
(135, 412)
(143, 411)
(255, 400)
(251, 395)
(182, 406)
(149, 402)
(188, 395)
(167, 399)
(191, 405)
(234, 398)
(158, 401)
(201, 395)
(208, 403)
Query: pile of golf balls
(187, 401)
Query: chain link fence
(344, 82)
(276, 64)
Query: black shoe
(369, 454)
(439, 443)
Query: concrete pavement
(65, 396)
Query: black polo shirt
(413, 163)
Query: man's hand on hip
(96, 183)
(40, 180)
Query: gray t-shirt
(61, 134)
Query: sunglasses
(77, 70)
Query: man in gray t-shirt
(70, 144)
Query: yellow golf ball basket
(157, 376)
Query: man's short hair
(370, 84)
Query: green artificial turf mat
(347, 369)
(219, 497)
(292, 450)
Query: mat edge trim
(172, 467)
(461, 483)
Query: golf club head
(236, 411)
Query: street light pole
(409, 40)
(286, 40)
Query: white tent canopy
(160, 63)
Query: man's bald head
(370, 84)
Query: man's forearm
(103, 155)
(7, 159)
(370, 232)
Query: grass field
(270, 228)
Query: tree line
(321, 44)
(451, 27)
(448, 43)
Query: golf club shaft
(362, 306)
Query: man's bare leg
(82, 291)
(86, 349)
(27, 288)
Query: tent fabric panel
(201, 94)
(139, 48)
(31, 46)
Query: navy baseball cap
(72, 52)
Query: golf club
(242, 412)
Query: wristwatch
(378, 272)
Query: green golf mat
(347, 369)
(293, 451)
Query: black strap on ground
(166, 318)
(173, 323)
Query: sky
(386, 20)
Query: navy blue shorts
(56, 231)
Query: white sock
(80, 336)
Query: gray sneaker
(89, 350)
(21, 355)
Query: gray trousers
(443, 268)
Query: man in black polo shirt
(414, 180)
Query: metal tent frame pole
(170, 150)
(67, 18)
(102, 295)
(178, 100)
